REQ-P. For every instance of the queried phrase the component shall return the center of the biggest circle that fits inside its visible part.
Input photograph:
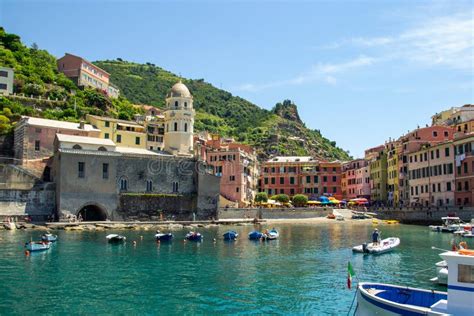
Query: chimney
(81, 125)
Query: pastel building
(123, 133)
(86, 74)
(377, 159)
(355, 179)
(6, 80)
(464, 169)
(431, 175)
(394, 153)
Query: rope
(353, 299)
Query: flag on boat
(350, 274)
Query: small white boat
(9, 224)
(271, 235)
(441, 273)
(114, 238)
(385, 245)
(388, 299)
(338, 215)
(451, 224)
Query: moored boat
(387, 299)
(255, 235)
(163, 236)
(9, 224)
(194, 236)
(441, 273)
(37, 245)
(271, 235)
(114, 238)
(49, 237)
(385, 245)
(231, 235)
(450, 224)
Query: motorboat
(441, 273)
(255, 235)
(49, 237)
(450, 224)
(194, 236)
(163, 236)
(338, 216)
(114, 238)
(385, 245)
(468, 232)
(37, 245)
(388, 299)
(271, 235)
(231, 235)
(9, 224)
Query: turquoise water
(304, 272)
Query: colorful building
(301, 175)
(464, 168)
(86, 74)
(123, 133)
(431, 175)
(6, 80)
(355, 179)
(394, 164)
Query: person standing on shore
(376, 237)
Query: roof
(292, 159)
(36, 121)
(85, 60)
(138, 151)
(111, 119)
(84, 140)
(179, 90)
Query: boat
(231, 235)
(385, 245)
(331, 216)
(388, 299)
(441, 273)
(114, 238)
(255, 235)
(37, 245)
(391, 221)
(9, 224)
(49, 237)
(194, 236)
(362, 215)
(271, 235)
(468, 232)
(163, 237)
(338, 216)
(450, 224)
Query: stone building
(99, 180)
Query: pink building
(464, 168)
(356, 179)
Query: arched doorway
(92, 213)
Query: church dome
(179, 90)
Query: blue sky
(360, 71)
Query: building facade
(377, 159)
(86, 74)
(464, 168)
(355, 179)
(121, 132)
(6, 80)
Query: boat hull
(49, 237)
(194, 237)
(387, 245)
(164, 237)
(230, 235)
(255, 235)
(37, 246)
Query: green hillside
(279, 131)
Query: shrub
(261, 197)
(300, 200)
(283, 198)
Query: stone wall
(273, 213)
(424, 216)
(38, 204)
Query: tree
(261, 197)
(282, 198)
(300, 200)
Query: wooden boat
(194, 236)
(388, 299)
(163, 237)
(385, 245)
(114, 238)
(271, 235)
(255, 235)
(49, 237)
(231, 235)
(37, 245)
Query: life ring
(466, 252)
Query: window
(292, 180)
(37, 145)
(465, 273)
(325, 190)
(282, 191)
(38, 130)
(237, 189)
(448, 186)
(175, 187)
(123, 184)
(308, 179)
(176, 104)
(119, 138)
(185, 104)
(273, 180)
(437, 153)
(325, 179)
(231, 178)
(106, 136)
(266, 180)
(435, 134)
(105, 171)
(446, 134)
(107, 124)
(185, 127)
(3, 86)
(102, 148)
(334, 178)
(465, 167)
(175, 126)
(282, 180)
(334, 189)
(315, 179)
(81, 169)
(149, 185)
(137, 140)
(3, 73)
(439, 187)
(76, 146)
(292, 191)
(446, 151)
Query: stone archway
(92, 213)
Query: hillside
(279, 131)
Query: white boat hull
(385, 245)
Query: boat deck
(406, 296)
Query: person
(375, 237)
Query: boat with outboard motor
(231, 235)
(159, 236)
(388, 299)
(49, 237)
(194, 236)
(450, 224)
(255, 235)
(271, 234)
(115, 238)
(37, 245)
(385, 245)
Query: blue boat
(255, 235)
(231, 235)
(194, 236)
(163, 237)
(37, 245)
(49, 237)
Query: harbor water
(303, 272)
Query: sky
(361, 72)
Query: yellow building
(123, 133)
(393, 150)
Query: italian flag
(350, 274)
